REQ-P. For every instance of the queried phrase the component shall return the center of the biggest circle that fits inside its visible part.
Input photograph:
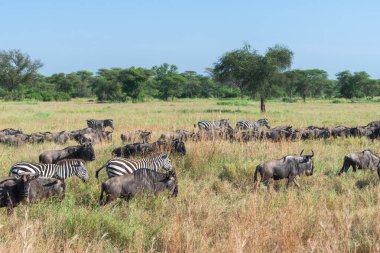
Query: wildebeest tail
(98, 170)
(258, 170)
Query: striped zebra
(120, 166)
(254, 125)
(61, 170)
(212, 125)
(99, 124)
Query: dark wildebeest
(85, 152)
(100, 124)
(142, 180)
(287, 167)
(45, 187)
(361, 160)
(128, 150)
(340, 131)
(15, 190)
(10, 131)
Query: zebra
(254, 125)
(100, 124)
(61, 170)
(212, 125)
(120, 166)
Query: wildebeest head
(167, 163)
(307, 164)
(108, 122)
(24, 186)
(179, 146)
(173, 182)
(88, 152)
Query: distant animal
(100, 124)
(141, 180)
(85, 152)
(287, 167)
(10, 131)
(15, 190)
(62, 170)
(212, 125)
(340, 131)
(120, 166)
(133, 149)
(254, 125)
(361, 160)
(45, 187)
(138, 136)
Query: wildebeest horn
(301, 152)
(312, 153)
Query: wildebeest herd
(30, 182)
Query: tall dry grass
(215, 210)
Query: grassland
(215, 210)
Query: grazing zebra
(99, 124)
(212, 125)
(61, 170)
(120, 166)
(254, 125)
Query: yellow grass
(215, 210)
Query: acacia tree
(254, 73)
(134, 80)
(17, 68)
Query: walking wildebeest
(142, 180)
(361, 160)
(85, 152)
(129, 150)
(15, 190)
(287, 167)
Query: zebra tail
(98, 170)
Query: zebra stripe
(61, 170)
(255, 125)
(210, 125)
(99, 124)
(119, 166)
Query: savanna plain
(215, 210)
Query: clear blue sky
(69, 35)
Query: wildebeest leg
(296, 183)
(346, 166)
(291, 179)
(9, 204)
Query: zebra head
(80, 170)
(166, 162)
(264, 122)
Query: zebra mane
(65, 161)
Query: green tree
(255, 74)
(168, 81)
(17, 68)
(134, 80)
(352, 85)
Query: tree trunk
(304, 98)
(262, 104)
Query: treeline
(239, 73)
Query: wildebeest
(287, 167)
(93, 137)
(44, 187)
(134, 149)
(15, 190)
(361, 160)
(85, 152)
(340, 131)
(142, 180)
(100, 124)
(138, 136)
